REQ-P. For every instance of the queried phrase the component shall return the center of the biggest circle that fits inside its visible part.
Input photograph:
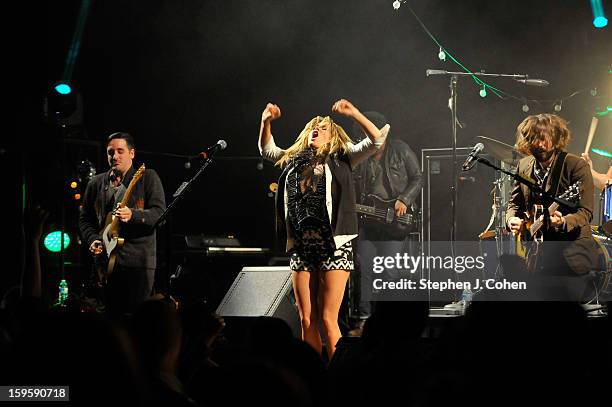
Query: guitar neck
(366, 210)
(124, 202)
(132, 185)
(128, 194)
(379, 213)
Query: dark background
(179, 75)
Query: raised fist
(271, 112)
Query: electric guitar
(531, 228)
(110, 233)
(382, 212)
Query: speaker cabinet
(473, 208)
(474, 198)
(262, 291)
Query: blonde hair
(339, 140)
(540, 127)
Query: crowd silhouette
(172, 353)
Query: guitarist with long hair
(567, 247)
(119, 208)
(387, 185)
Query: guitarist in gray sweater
(136, 200)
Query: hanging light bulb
(557, 106)
(525, 107)
(483, 91)
(442, 55)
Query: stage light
(557, 107)
(77, 197)
(396, 5)
(53, 241)
(62, 104)
(525, 108)
(599, 20)
(272, 188)
(604, 112)
(63, 88)
(74, 185)
(602, 153)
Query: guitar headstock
(138, 174)
(572, 194)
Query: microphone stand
(452, 104)
(533, 186)
(495, 75)
(180, 192)
(178, 195)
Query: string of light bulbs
(443, 53)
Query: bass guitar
(382, 212)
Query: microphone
(533, 82)
(210, 151)
(114, 174)
(475, 151)
(435, 72)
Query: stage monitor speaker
(262, 291)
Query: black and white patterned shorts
(312, 252)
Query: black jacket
(147, 204)
(573, 245)
(577, 220)
(344, 218)
(402, 172)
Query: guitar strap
(119, 193)
(555, 176)
(112, 196)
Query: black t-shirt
(376, 180)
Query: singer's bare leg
(305, 288)
(332, 285)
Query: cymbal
(502, 151)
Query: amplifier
(474, 199)
(202, 241)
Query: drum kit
(508, 157)
(602, 232)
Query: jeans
(372, 242)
